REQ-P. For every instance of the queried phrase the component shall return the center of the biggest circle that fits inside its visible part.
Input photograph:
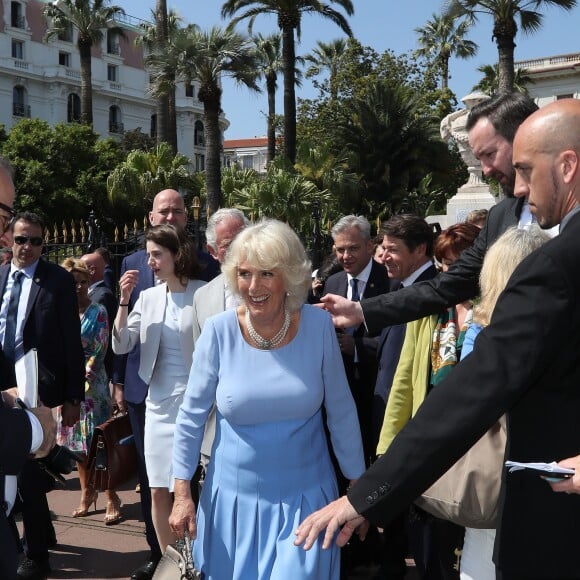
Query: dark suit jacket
(460, 283)
(15, 441)
(52, 326)
(101, 294)
(362, 377)
(389, 346)
(525, 363)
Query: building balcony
(20, 64)
(18, 22)
(19, 110)
(114, 49)
(116, 128)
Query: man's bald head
(547, 160)
(7, 194)
(168, 208)
(96, 265)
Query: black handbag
(177, 563)
(112, 458)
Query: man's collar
(412, 277)
(364, 274)
(28, 270)
(566, 219)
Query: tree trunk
(213, 146)
(161, 32)
(444, 72)
(172, 121)
(289, 63)
(86, 83)
(271, 130)
(504, 33)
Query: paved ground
(89, 549)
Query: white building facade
(247, 153)
(42, 79)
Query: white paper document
(552, 467)
(26, 370)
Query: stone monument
(475, 194)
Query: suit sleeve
(119, 360)
(421, 299)
(479, 390)
(74, 387)
(15, 440)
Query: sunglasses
(34, 240)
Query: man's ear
(569, 164)
(212, 252)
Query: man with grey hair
(361, 277)
(222, 227)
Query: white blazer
(144, 325)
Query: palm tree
(206, 56)
(269, 54)
(441, 38)
(166, 113)
(289, 14)
(489, 83)
(144, 173)
(91, 18)
(392, 141)
(326, 57)
(505, 28)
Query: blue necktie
(12, 317)
(355, 296)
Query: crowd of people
(312, 409)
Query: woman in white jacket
(161, 322)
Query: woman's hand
(127, 284)
(183, 513)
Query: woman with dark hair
(431, 349)
(161, 322)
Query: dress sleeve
(341, 413)
(469, 340)
(127, 337)
(198, 400)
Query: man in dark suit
(129, 390)
(407, 254)
(39, 310)
(361, 277)
(491, 126)
(21, 433)
(100, 293)
(525, 363)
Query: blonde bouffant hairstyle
(502, 258)
(75, 265)
(271, 245)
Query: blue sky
(381, 24)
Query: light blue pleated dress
(270, 464)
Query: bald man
(525, 363)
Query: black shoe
(32, 570)
(146, 571)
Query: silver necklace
(265, 343)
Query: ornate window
(73, 108)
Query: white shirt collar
(411, 278)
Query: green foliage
(60, 171)
(489, 83)
(136, 181)
(136, 139)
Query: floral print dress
(95, 409)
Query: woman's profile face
(160, 260)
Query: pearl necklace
(265, 343)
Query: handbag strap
(184, 548)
